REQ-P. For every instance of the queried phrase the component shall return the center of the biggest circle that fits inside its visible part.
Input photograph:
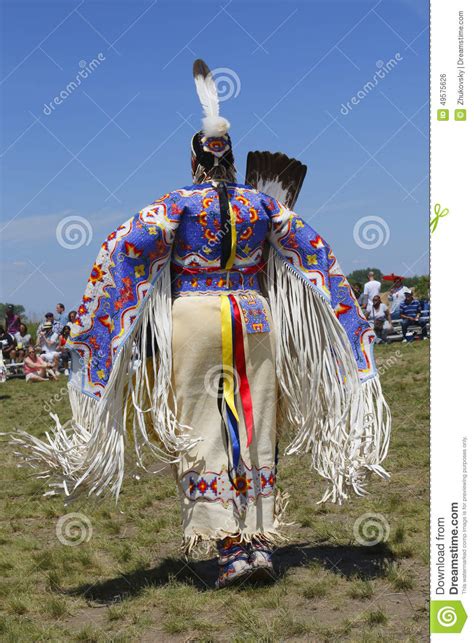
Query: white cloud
(40, 227)
(37, 271)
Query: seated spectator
(410, 313)
(48, 341)
(49, 318)
(23, 340)
(35, 368)
(378, 313)
(12, 321)
(71, 318)
(396, 296)
(7, 344)
(61, 315)
(64, 353)
(371, 288)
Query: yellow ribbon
(233, 231)
(227, 354)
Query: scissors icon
(438, 215)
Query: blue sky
(121, 138)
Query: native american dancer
(203, 313)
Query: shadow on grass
(348, 561)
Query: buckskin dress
(187, 361)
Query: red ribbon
(239, 360)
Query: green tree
(422, 287)
(18, 308)
(360, 276)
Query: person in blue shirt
(410, 314)
(61, 315)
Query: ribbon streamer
(239, 359)
(226, 224)
(228, 384)
(233, 238)
(233, 367)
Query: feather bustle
(277, 175)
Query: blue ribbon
(233, 422)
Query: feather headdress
(212, 123)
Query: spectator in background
(71, 318)
(396, 296)
(12, 321)
(35, 368)
(48, 342)
(361, 298)
(49, 319)
(23, 340)
(410, 313)
(7, 343)
(64, 353)
(61, 315)
(371, 288)
(357, 290)
(379, 314)
(64, 335)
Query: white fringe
(88, 452)
(343, 423)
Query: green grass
(361, 589)
(128, 582)
(377, 617)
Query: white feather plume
(215, 125)
(212, 123)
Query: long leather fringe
(87, 453)
(342, 422)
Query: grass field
(126, 580)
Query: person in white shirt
(372, 288)
(23, 340)
(396, 296)
(379, 314)
(49, 317)
(48, 341)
